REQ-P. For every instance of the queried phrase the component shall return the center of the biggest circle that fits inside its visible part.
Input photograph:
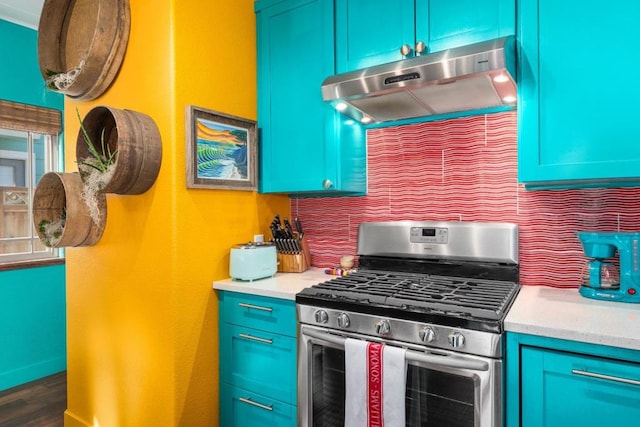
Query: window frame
(32, 121)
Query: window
(29, 148)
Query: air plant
(60, 81)
(52, 230)
(101, 160)
(96, 170)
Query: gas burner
(446, 295)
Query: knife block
(295, 263)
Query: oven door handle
(410, 355)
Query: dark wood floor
(39, 403)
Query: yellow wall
(142, 319)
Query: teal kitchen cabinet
(371, 32)
(257, 361)
(557, 383)
(306, 147)
(577, 112)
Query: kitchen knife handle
(255, 307)
(298, 227)
(296, 246)
(282, 246)
(287, 226)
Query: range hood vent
(465, 78)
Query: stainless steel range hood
(466, 78)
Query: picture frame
(221, 150)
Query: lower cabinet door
(241, 408)
(561, 389)
(259, 360)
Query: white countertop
(565, 314)
(282, 285)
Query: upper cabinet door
(295, 55)
(578, 121)
(306, 147)
(443, 24)
(371, 32)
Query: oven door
(443, 388)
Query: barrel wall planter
(61, 216)
(131, 138)
(81, 45)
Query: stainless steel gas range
(440, 290)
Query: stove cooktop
(460, 274)
(472, 303)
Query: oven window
(328, 386)
(433, 398)
(436, 398)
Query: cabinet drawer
(241, 408)
(259, 361)
(577, 390)
(258, 312)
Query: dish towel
(375, 377)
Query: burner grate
(451, 296)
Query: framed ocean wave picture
(221, 150)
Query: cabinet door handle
(405, 50)
(252, 338)
(259, 405)
(421, 47)
(605, 377)
(255, 307)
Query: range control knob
(321, 316)
(427, 334)
(456, 339)
(343, 320)
(383, 327)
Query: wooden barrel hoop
(137, 140)
(89, 36)
(59, 194)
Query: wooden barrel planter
(81, 45)
(135, 140)
(61, 216)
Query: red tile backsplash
(465, 169)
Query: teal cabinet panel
(577, 126)
(446, 24)
(371, 32)
(258, 365)
(302, 144)
(258, 312)
(563, 389)
(242, 408)
(259, 361)
(552, 382)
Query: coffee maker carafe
(601, 278)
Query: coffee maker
(602, 246)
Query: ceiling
(22, 12)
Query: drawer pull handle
(605, 377)
(259, 405)
(252, 338)
(255, 307)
